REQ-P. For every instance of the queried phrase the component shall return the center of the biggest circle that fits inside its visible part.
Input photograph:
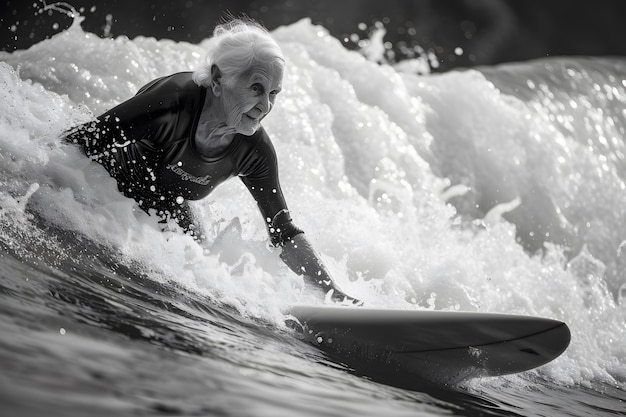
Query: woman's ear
(216, 80)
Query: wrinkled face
(249, 97)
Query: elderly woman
(184, 134)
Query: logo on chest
(185, 176)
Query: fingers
(339, 297)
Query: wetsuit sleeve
(261, 179)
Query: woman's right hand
(302, 259)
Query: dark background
(487, 31)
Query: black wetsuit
(147, 144)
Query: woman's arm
(261, 179)
(301, 258)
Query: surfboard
(436, 346)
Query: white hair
(234, 47)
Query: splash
(415, 189)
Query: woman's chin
(249, 129)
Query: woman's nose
(265, 104)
